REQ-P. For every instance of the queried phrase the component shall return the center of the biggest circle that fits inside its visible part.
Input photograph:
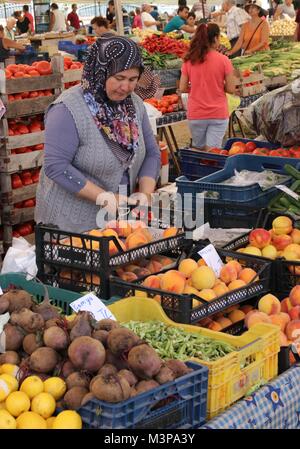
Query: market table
(274, 406)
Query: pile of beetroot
(97, 359)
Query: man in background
(178, 23)
(73, 18)
(29, 16)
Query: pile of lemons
(33, 404)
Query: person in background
(154, 13)
(207, 75)
(73, 18)
(236, 17)
(9, 28)
(148, 22)
(254, 34)
(178, 23)
(6, 45)
(58, 21)
(287, 8)
(29, 16)
(202, 10)
(97, 138)
(23, 24)
(110, 14)
(137, 21)
(100, 26)
(191, 20)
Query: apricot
(280, 319)
(172, 281)
(92, 279)
(152, 282)
(295, 295)
(283, 341)
(224, 322)
(252, 250)
(113, 248)
(248, 275)
(187, 266)
(269, 251)
(96, 233)
(292, 330)
(220, 289)
(281, 241)
(137, 238)
(246, 308)
(282, 225)
(231, 308)
(203, 277)
(128, 276)
(259, 238)
(214, 326)
(269, 304)
(228, 274)
(236, 315)
(202, 263)
(294, 313)
(163, 260)
(171, 232)
(295, 236)
(154, 266)
(208, 294)
(239, 283)
(255, 317)
(236, 265)
(286, 305)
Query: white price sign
(91, 303)
(288, 191)
(212, 258)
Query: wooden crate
(276, 81)
(16, 162)
(257, 77)
(12, 196)
(12, 216)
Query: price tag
(212, 258)
(91, 303)
(288, 191)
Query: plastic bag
(233, 102)
(20, 257)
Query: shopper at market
(111, 14)
(191, 20)
(154, 12)
(207, 75)
(29, 16)
(148, 22)
(178, 23)
(6, 45)
(101, 26)
(97, 137)
(286, 8)
(73, 18)
(254, 34)
(9, 28)
(137, 21)
(23, 24)
(202, 10)
(235, 18)
(58, 21)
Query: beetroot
(10, 357)
(144, 361)
(28, 320)
(87, 354)
(43, 360)
(67, 368)
(18, 299)
(13, 337)
(178, 367)
(47, 310)
(101, 335)
(4, 305)
(56, 338)
(82, 326)
(88, 397)
(106, 325)
(165, 375)
(73, 397)
(121, 340)
(110, 388)
(77, 379)
(107, 370)
(129, 376)
(145, 385)
(31, 342)
(118, 362)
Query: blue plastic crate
(70, 47)
(180, 404)
(248, 194)
(259, 144)
(196, 164)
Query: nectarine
(203, 277)
(187, 266)
(259, 238)
(269, 304)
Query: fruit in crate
(283, 27)
(168, 103)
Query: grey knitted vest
(55, 205)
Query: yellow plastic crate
(228, 381)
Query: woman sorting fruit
(207, 75)
(97, 138)
(6, 45)
(254, 34)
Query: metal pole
(119, 17)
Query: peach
(231, 308)
(188, 290)
(121, 227)
(92, 279)
(259, 238)
(295, 295)
(236, 265)
(236, 315)
(128, 276)
(252, 250)
(214, 326)
(282, 225)
(255, 317)
(208, 294)
(281, 241)
(296, 236)
(248, 275)
(172, 281)
(141, 272)
(137, 238)
(202, 263)
(138, 225)
(96, 233)
(154, 266)
(280, 319)
(113, 248)
(289, 254)
(286, 305)
(189, 282)
(187, 266)
(294, 313)
(236, 284)
(171, 232)
(203, 277)
(109, 232)
(269, 251)
(224, 322)
(163, 260)
(228, 274)
(246, 308)
(292, 330)
(152, 282)
(283, 341)
(269, 304)
(220, 289)
(295, 248)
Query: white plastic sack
(20, 258)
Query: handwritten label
(212, 258)
(91, 303)
(288, 191)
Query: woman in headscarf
(98, 139)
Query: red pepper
(29, 203)
(16, 182)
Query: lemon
(44, 404)
(31, 420)
(32, 386)
(17, 403)
(2, 405)
(68, 419)
(50, 422)
(55, 386)
(7, 421)
(11, 381)
(4, 390)
(9, 368)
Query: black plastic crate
(91, 262)
(180, 307)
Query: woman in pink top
(207, 75)
(137, 21)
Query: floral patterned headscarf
(117, 121)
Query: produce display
(38, 68)
(164, 44)
(288, 203)
(251, 148)
(223, 320)
(283, 27)
(168, 103)
(24, 229)
(29, 149)
(25, 126)
(158, 61)
(25, 178)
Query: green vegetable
(292, 171)
(175, 343)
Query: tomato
(24, 229)
(214, 150)
(21, 150)
(241, 145)
(261, 152)
(29, 203)
(8, 74)
(19, 74)
(285, 153)
(163, 110)
(19, 205)
(25, 94)
(33, 72)
(18, 97)
(35, 127)
(275, 153)
(224, 152)
(250, 146)
(171, 109)
(12, 68)
(44, 68)
(40, 146)
(16, 234)
(16, 181)
(23, 129)
(11, 97)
